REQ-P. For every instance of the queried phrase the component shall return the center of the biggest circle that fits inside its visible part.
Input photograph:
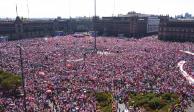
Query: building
(176, 29)
(30, 28)
(152, 24)
(3, 38)
(22, 28)
(82, 24)
(132, 25)
(186, 16)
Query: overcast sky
(73, 8)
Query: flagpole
(70, 29)
(28, 8)
(95, 25)
(16, 10)
(113, 9)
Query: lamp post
(23, 79)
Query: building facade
(21, 28)
(131, 25)
(172, 29)
(82, 24)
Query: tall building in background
(185, 16)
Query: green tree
(9, 81)
(104, 100)
(155, 103)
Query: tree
(104, 100)
(1, 108)
(9, 81)
(156, 103)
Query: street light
(23, 79)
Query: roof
(132, 14)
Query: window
(192, 30)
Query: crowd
(64, 72)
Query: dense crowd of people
(63, 73)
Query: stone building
(21, 28)
(131, 25)
(176, 29)
(83, 24)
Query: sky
(77, 8)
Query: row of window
(177, 29)
(177, 35)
